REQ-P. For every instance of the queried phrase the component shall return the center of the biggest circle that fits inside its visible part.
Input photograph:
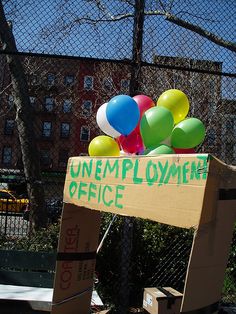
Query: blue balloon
(123, 114)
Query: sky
(48, 26)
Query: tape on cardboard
(170, 297)
(75, 256)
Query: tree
(24, 122)
(159, 8)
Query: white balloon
(103, 123)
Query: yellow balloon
(177, 102)
(103, 145)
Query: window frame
(84, 110)
(3, 149)
(68, 82)
(51, 82)
(45, 157)
(84, 127)
(88, 87)
(63, 106)
(65, 135)
(11, 132)
(49, 104)
(62, 162)
(43, 129)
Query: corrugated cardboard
(128, 185)
(156, 301)
(77, 250)
(191, 191)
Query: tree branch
(201, 31)
(196, 29)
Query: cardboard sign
(166, 189)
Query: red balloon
(132, 143)
(144, 103)
(184, 151)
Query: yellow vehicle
(11, 202)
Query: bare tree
(24, 121)
(161, 8)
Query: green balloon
(156, 125)
(161, 149)
(188, 133)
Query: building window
(84, 134)
(34, 80)
(87, 108)
(32, 101)
(230, 126)
(9, 127)
(67, 106)
(229, 150)
(124, 85)
(10, 102)
(65, 129)
(47, 129)
(45, 158)
(7, 155)
(108, 83)
(49, 104)
(88, 82)
(69, 80)
(211, 137)
(63, 157)
(51, 79)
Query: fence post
(127, 235)
(137, 47)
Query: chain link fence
(75, 56)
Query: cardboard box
(193, 191)
(73, 284)
(162, 300)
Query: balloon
(156, 125)
(103, 145)
(177, 102)
(123, 114)
(122, 153)
(184, 151)
(188, 133)
(161, 149)
(166, 141)
(131, 143)
(103, 124)
(144, 103)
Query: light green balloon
(161, 149)
(188, 133)
(156, 125)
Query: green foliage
(229, 288)
(44, 240)
(159, 257)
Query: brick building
(65, 94)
